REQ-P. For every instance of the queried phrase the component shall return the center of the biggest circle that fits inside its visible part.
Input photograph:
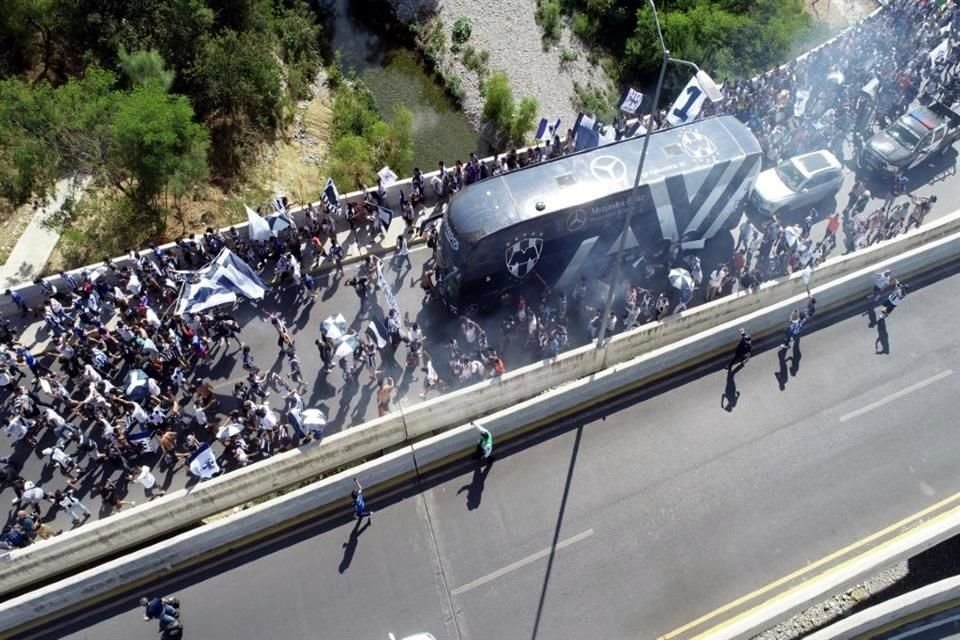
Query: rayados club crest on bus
(522, 255)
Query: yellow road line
(810, 567)
(713, 630)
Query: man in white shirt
(18, 428)
(267, 418)
(149, 483)
(881, 281)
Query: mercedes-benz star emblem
(696, 144)
(608, 169)
(576, 219)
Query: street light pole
(634, 193)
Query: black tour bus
(562, 218)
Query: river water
(392, 70)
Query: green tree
(299, 36)
(155, 142)
(524, 119)
(238, 79)
(350, 161)
(498, 105)
(143, 67)
(52, 133)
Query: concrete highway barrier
(659, 346)
(514, 416)
(909, 605)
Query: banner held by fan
(689, 103)
(387, 292)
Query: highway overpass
(634, 520)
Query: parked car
(802, 180)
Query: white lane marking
(915, 631)
(490, 577)
(898, 394)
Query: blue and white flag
(331, 197)
(585, 133)
(233, 274)
(377, 331)
(631, 101)
(277, 204)
(546, 131)
(386, 217)
(143, 440)
(689, 103)
(203, 463)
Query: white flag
(632, 99)
(690, 101)
(387, 291)
(203, 463)
(257, 227)
(387, 176)
(800, 104)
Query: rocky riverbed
(507, 30)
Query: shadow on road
(730, 397)
(474, 490)
(556, 531)
(350, 546)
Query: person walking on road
(359, 503)
(921, 207)
(894, 299)
(160, 609)
(792, 332)
(484, 444)
(741, 355)
(881, 281)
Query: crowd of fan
(892, 46)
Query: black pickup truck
(911, 139)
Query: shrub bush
(548, 17)
(524, 120)
(498, 106)
(583, 26)
(461, 30)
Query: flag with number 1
(688, 104)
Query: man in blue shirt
(158, 608)
(359, 504)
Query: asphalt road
(627, 522)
